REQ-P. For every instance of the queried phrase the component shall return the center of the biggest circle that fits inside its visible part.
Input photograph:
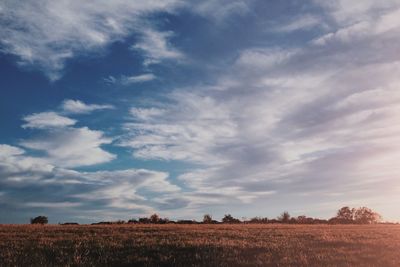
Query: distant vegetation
(345, 215)
(361, 215)
(39, 220)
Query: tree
(361, 215)
(365, 215)
(229, 219)
(207, 218)
(284, 217)
(345, 215)
(155, 218)
(39, 220)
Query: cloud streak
(129, 80)
(155, 46)
(79, 107)
(46, 120)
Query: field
(200, 245)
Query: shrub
(39, 220)
(284, 217)
(207, 218)
(229, 219)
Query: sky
(119, 109)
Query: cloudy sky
(118, 109)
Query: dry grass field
(200, 245)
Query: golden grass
(200, 245)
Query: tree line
(344, 215)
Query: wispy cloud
(156, 47)
(138, 78)
(79, 107)
(72, 147)
(304, 22)
(45, 120)
(49, 33)
(7, 150)
(288, 122)
(65, 145)
(175, 133)
(92, 193)
(363, 29)
(127, 80)
(46, 35)
(350, 12)
(146, 114)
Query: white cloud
(144, 114)
(36, 184)
(127, 80)
(184, 130)
(123, 185)
(283, 124)
(79, 107)
(47, 33)
(7, 151)
(156, 47)
(46, 120)
(349, 12)
(64, 145)
(260, 59)
(16, 167)
(347, 34)
(71, 147)
(138, 79)
(361, 20)
(389, 21)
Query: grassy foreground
(200, 245)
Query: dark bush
(69, 223)
(229, 219)
(207, 218)
(284, 217)
(39, 220)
